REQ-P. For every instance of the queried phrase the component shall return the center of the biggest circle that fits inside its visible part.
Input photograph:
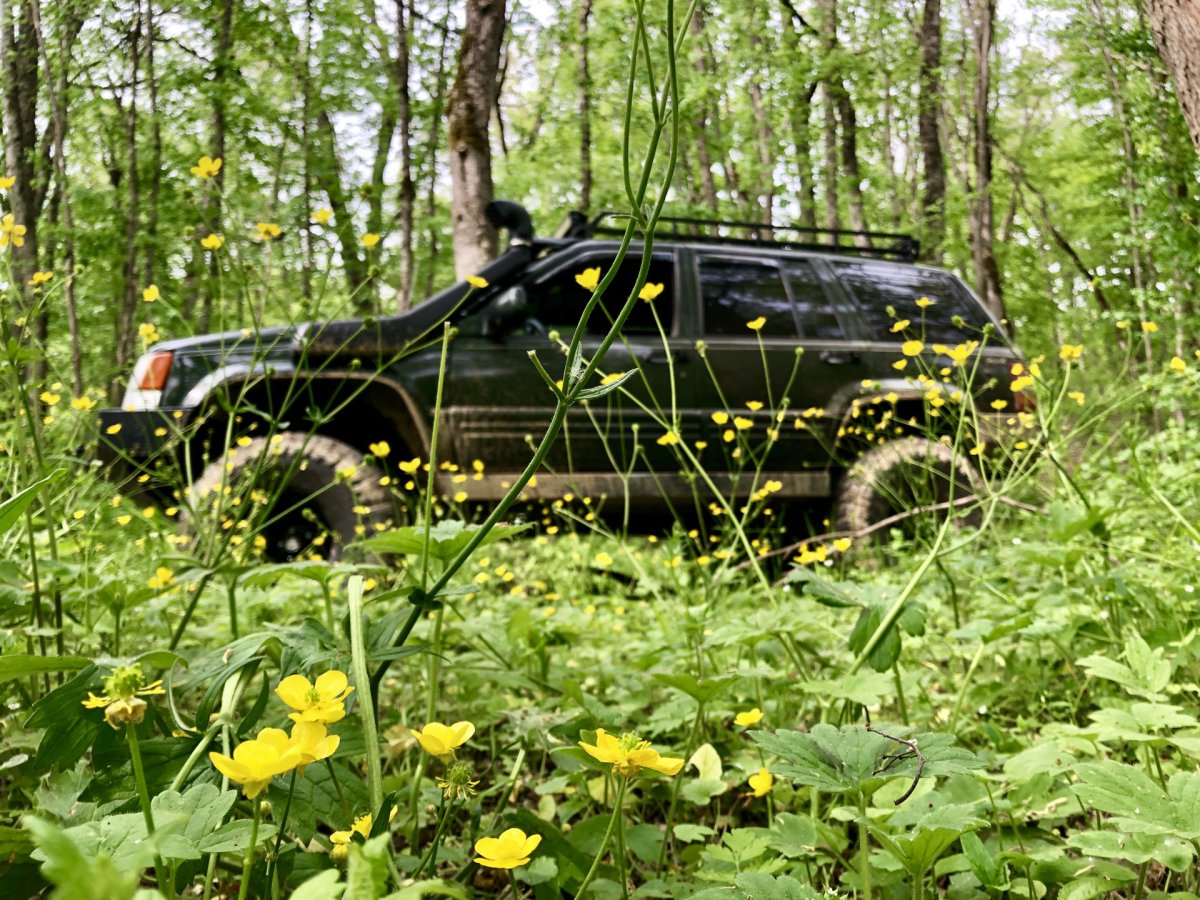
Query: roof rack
(874, 244)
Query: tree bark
(129, 295)
(585, 109)
(929, 104)
(987, 273)
(704, 163)
(469, 109)
(408, 189)
(327, 171)
(431, 154)
(802, 138)
(19, 58)
(222, 63)
(1176, 28)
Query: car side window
(876, 286)
(558, 299)
(815, 313)
(738, 291)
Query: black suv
(783, 342)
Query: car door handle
(659, 357)
(840, 357)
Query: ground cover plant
(985, 698)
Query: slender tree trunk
(469, 111)
(328, 174)
(802, 137)
(408, 188)
(125, 348)
(933, 164)
(1176, 28)
(987, 273)
(222, 65)
(585, 109)
(704, 160)
(150, 250)
(21, 83)
(431, 154)
(57, 86)
(308, 265)
(849, 144)
(763, 139)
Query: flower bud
(339, 853)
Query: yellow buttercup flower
(1069, 352)
(370, 239)
(924, 302)
(650, 291)
(761, 783)
(720, 418)
(148, 333)
(207, 167)
(7, 181)
(121, 700)
(212, 242)
(49, 398)
(513, 848)
(362, 825)
(380, 449)
(268, 231)
(588, 279)
(960, 354)
(668, 440)
(1148, 327)
(603, 559)
(40, 278)
(11, 232)
(82, 403)
(322, 216)
(748, 718)
(313, 742)
(441, 740)
(150, 294)
(1077, 396)
(1177, 364)
(629, 755)
(255, 763)
(1021, 383)
(741, 423)
(410, 467)
(912, 348)
(841, 545)
(476, 282)
(897, 327)
(320, 702)
(757, 324)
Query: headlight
(144, 390)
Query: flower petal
(293, 691)
(332, 683)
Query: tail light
(145, 388)
(154, 375)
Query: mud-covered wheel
(902, 476)
(302, 493)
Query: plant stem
(618, 802)
(864, 848)
(272, 863)
(430, 857)
(139, 776)
(620, 854)
(248, 859)
(362, 678)
(662, 853)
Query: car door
(499, 403)
(776, 354)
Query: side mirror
(506, 311)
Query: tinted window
(558, 299)
(817, 318)
(737, 291)
(876, 286)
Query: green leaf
(14, 507)
(234, 837)
(706, 761)
(700, 791)
(1086, 888)
(78, 875)
(19, 665)
(688, 833)
(603, 390)
(863, 688)
(434, 887)
(1172, 852)
(794, 835)
(325, 885)
(446, 539)
(701, 690)
(196, 813)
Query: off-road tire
(864, 499)
(313, 461)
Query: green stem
(139, 776)
(248, 859)
(918, 887)
(620, 854)
(366, 707)
(272, 863)
(662, 853)
(337, 786)
(430, 857)
(864, 848)
(608, 833)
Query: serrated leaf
(234, 837)
(794, 835)
(689, 833)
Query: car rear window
(737, 291)
(876, 286)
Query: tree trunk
(1176, 28)
(222, 63)
(929, 104)
(327, 171)
(469, 111)
(704, 162)
(585, 110)
(431, 154)
(150, 250)
(802, 137)
(19, 59)
(987, 273)
(849, 131)
(408, 189)
(125, 348)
